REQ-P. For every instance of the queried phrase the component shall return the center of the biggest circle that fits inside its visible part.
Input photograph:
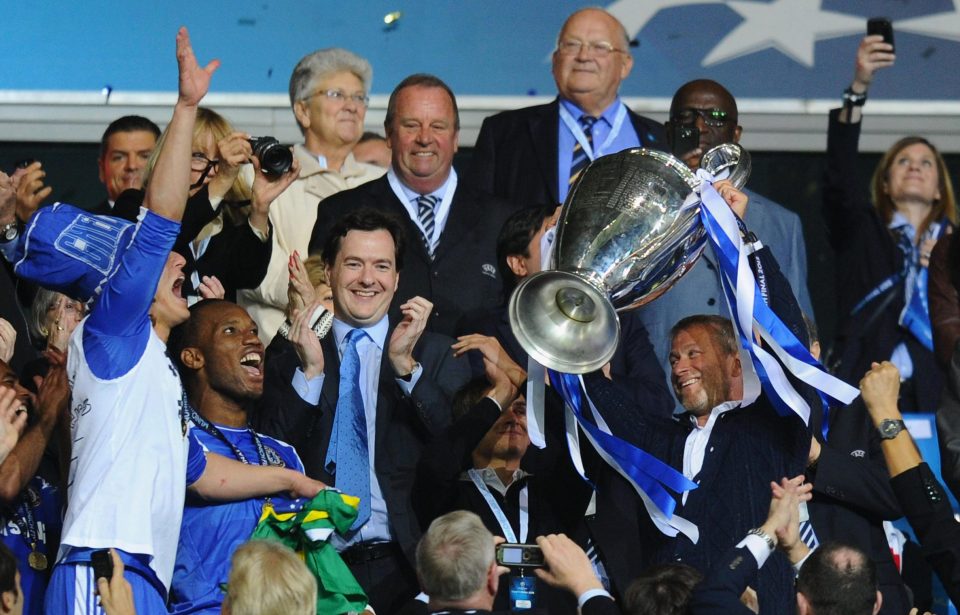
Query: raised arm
(170, 182)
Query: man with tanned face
(532, 156)
(708, 106)
(125, 148)
(451, 228)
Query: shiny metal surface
(628, 231)
(728, 156)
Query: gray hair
(322, 62)
(454, 556)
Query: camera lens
(274, 158)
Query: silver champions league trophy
(630, 228)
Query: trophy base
(564, 322)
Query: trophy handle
(728, 157)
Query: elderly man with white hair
(328, 94)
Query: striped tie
(580, 160)
(807, 535)
(425, 210)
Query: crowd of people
(226, 362)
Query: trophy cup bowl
(628, 231)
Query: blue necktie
(348, 457)
(579, 159)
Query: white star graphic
(634, 14)
(790, 26)
(940, 25)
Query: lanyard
(498, 512)
(24, 519)
(214, 431)
(577, 131)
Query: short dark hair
(8, 570)
(721, 330)
(422, 80)
(661, 590)
(364, 219)
(187, 334)
(514, 239)
(127, 123)
(839, 579)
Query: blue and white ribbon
(649, 476)
(761, 371)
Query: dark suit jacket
(462, 281)
(403, 425)
(852, 496)
(719, 592)
(515, 156)
(928, 510)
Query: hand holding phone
(517, 555)
(883, 27)
(102, 564)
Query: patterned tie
(580, 160)
(348, 458)
(807, 535)
(425, 209)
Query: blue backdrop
(775, 48)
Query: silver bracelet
(766, 537)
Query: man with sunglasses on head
(329, 96)
(709, 107)
(533, 156)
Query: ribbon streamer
(762, 371)
(649, 476)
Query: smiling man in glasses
(709, 107)
(329, 93)
(533, 155)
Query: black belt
(368, 551)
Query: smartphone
(529, 556)
(102, 564)
(684, 138)
(881, 26)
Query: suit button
(710, 266)
(436, 274)
(711, 301)
(711, 449)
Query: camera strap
(497, 511)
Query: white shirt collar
(377, 331)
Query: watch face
(890, 428)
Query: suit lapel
(463, 216)
(543, 128)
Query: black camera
(274, 158)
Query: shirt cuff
(758, 547)
(408, 387)
(799, 565)
(308, 390)
(589, 594)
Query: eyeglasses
(598, 49)
(202, 165)
(716, 118)
(342, 97)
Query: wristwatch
(766, 537)
(9, 232)
(853, 99)
(889, 428)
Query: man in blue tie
(385, 388)
(532, 156)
